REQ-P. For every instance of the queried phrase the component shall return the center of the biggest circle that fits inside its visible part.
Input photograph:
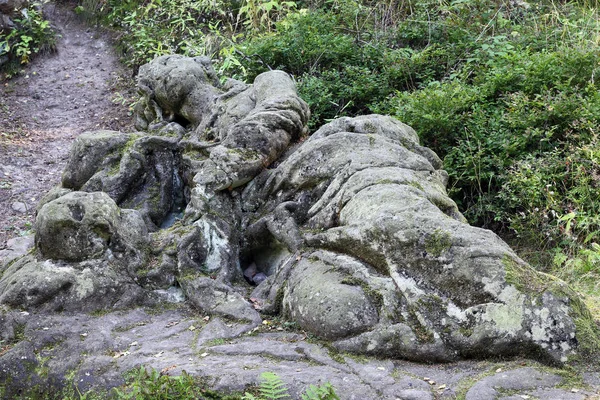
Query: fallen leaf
(255, 303)
(442, 387)
(167, 369)
(121, 354)
(192, 328)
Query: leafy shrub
(262, 14)
(32, 35)
(556, 196)
(339, 72)
(151, 28)
(523, 105)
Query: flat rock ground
(81, 87)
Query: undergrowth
(150, 384)
(31, 35)
(273, 388)
(145, 383)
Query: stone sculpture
(349, 232)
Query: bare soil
(80, 87)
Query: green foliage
(32, 35)
(338, 71)
(259, 15)
(273, 388)
(323, 392)
(153, 28)
(90, 10)
(210, 28)
(485, 119)
(152, 384)
(149, 384)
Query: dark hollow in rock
(351, 234)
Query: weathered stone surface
(327, 301)
(368, 193)
(221, 299)
(15, 248)
(518, 379)
(348, 236)
(137, 172)
(205, 140)
(80, 226)
(54, 286)
(89, 253)
(80, 352)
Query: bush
(32, 35)
(522, 105)
(339, 71)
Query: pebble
(19, 207)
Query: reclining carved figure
(350, 232)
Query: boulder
(401, 273)
(80, 226)
(177, 181)
(88, 253)
(9, 9)
(10, 6)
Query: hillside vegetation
(505, 92)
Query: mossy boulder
(350, 232)
(364, 188)
(322, 299)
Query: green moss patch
(438, 242)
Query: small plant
(31, 36)
(273, 388)
(323, 392)
(152, 384)
(261, 15)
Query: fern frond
(272, 387)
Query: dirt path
(80, 87)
